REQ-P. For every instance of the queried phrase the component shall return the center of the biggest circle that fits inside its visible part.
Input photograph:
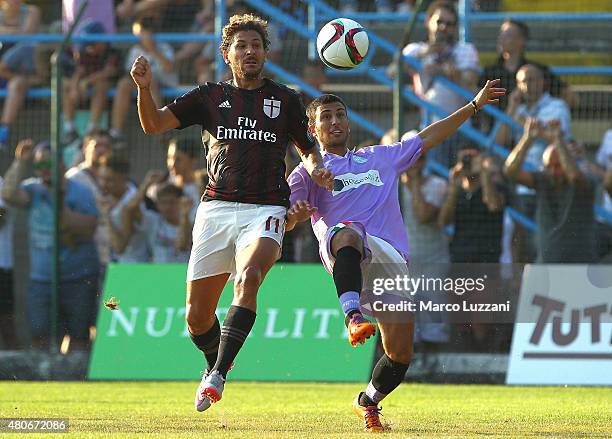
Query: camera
(466, 161)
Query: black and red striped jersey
(245, 135)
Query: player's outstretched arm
(313, 163)
(152, 119)
(299, 212)
(438, 131)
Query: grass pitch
(309, 410)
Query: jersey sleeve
(192, 108)
(298, 125)
(300, 184)
(403, 154)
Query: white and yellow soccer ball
(342, 44)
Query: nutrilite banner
(299, 333)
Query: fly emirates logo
(245, 131)
(346, 182)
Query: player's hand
(24, 151)
(141, 72)
(299, 212)
(323, 177)
(489, 94)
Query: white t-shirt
(6, 234)
(161, 237)
(604, 158)
(463, 55)
(427, 241)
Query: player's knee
(403, 356)
(346, 238)
(248, 281)
(198, 320)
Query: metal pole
(220, 18)
(463, 9)
(398, 85)
(312, 28)
(56, 177)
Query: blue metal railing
(324, 11)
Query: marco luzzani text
(400, 285)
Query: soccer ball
(342, 44)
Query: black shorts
(7, 296)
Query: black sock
(386, 376)
(236, 327)
(347, 278)
(208, 343)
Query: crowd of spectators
(107, 216)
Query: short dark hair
(441, 4)
(187, 145)
(116, 163)
(522, 27)
(169, 189)
(311, 111)
(242, 22)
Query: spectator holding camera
(564, 197)
(79, 265)
(474, 205)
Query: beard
(249, 75)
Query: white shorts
(381, 259)
(222, 229)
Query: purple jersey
(365, 191)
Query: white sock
(374, 394)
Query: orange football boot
(360, 329)
(370, 416)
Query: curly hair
(242, 22)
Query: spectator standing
(421, 197)
(161, 60)
(442, 55)
(168, 230)
(116, 190)
(564, 198)
(474, 205)
(79, 266)
(96, 145)
(7, 293)
(181, 160)
(511, 44)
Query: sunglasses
(42, 165)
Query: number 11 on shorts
(272, 221)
